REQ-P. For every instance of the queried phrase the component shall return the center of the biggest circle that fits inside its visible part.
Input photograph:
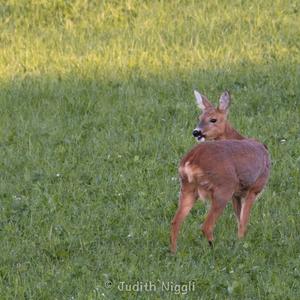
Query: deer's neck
(231, 134)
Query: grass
(97, 109)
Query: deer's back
(237, 163)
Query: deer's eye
(213, 120)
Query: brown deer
(226, 166)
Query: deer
(223, 166)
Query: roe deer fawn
(228, 166)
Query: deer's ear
(202, 101)
(224, 101)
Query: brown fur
(231, 167)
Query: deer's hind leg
(245, 213)
(187, 199)
(237, 206)
(220, 197)
(255, 190)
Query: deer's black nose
(197, 132)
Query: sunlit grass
(59, 36)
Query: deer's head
(213, 120)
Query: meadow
(97, 108)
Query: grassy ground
(96, 102)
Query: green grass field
(97, 108)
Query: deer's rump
(239, 163)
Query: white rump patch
(191, 172)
